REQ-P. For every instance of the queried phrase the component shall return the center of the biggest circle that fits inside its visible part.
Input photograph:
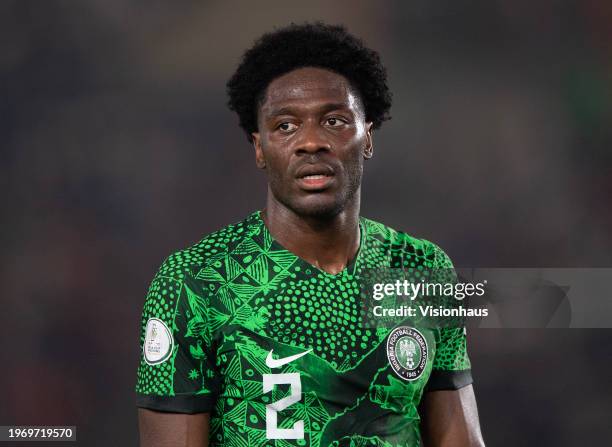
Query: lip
(315, 183)
(315, 177)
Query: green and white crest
(407, 352)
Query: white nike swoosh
(277, 363)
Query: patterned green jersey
(274, 349)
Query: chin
(317, 208)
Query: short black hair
(308, 45)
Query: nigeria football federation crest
(407, 352)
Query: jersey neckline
(349, 269)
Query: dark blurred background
(117, 148)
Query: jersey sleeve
(451, 365)
(177, 363)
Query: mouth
(315, 177)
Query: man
(253, 336)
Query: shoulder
(404, 243)
(211, 248)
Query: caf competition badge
(407, 352)
(159, 342)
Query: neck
(329, 243)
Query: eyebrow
(292, 110)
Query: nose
(312, 140)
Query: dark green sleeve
(177, 370)
(451, 365)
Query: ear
(260, 160)
(368, 151)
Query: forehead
(309, 86)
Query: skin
(159, 429)
(312, 118)
(312, 121)
(450, 418)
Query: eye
(334, 122)
(286, 127)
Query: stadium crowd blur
(117, 149)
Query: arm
(175, 387)
(450, 419)
(158, 429)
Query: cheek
(355, 141)
(276, 163)
(356, 166)
(354, 150)
(354, 162)
(273, 158)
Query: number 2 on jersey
(295, 386)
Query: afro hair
(308, 45)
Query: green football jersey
(274, 348)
